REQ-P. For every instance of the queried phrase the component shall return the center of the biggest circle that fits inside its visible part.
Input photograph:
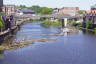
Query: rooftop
(26, 11)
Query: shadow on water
(1, 54)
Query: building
(55, 11)
(1, 5)
(26, 12)
(9, 9)
(90, 15)
(72, 11)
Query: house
(90, 15)
(72, 11)
(9, 9)
(55, 11)
(26, 12)
(18, 12)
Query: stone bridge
(61, 17)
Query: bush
(1, 23)
(95, 29)
(48, 23)
(43, 19)
(89, 24)
(74, 23)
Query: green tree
(81, 11)
(21, 6)
(36, 8)
(89, 24)
(45, 10)
(41, 10)
(1, 22)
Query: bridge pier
(64, 23)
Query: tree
(1, 22)
(41, 10)
(21, 6)
(81, 11)
(45, 10)
(89, 24)
(36, 8)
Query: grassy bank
(24, 44)
(89, 25)
(49, 23)
(74, 23)
(34, 20)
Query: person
(11, 20)
(8, 24)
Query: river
(79, 48)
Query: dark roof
(28, 11)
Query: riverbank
(88, 26)
(7, 33)
(50, 23)
(17, 45)
(10, 32)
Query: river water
(79, 48)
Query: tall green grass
(49, 23)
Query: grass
(74, 23)
(49, 23)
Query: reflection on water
(33, 31)
(79, 48)
(1, 55)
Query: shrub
(74, 23)
(1, 22)
(48, 23)
(89, 24)
(95, 29)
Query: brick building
(72, 11)
(9, 9)
(90, 15)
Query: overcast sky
(83, 4)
